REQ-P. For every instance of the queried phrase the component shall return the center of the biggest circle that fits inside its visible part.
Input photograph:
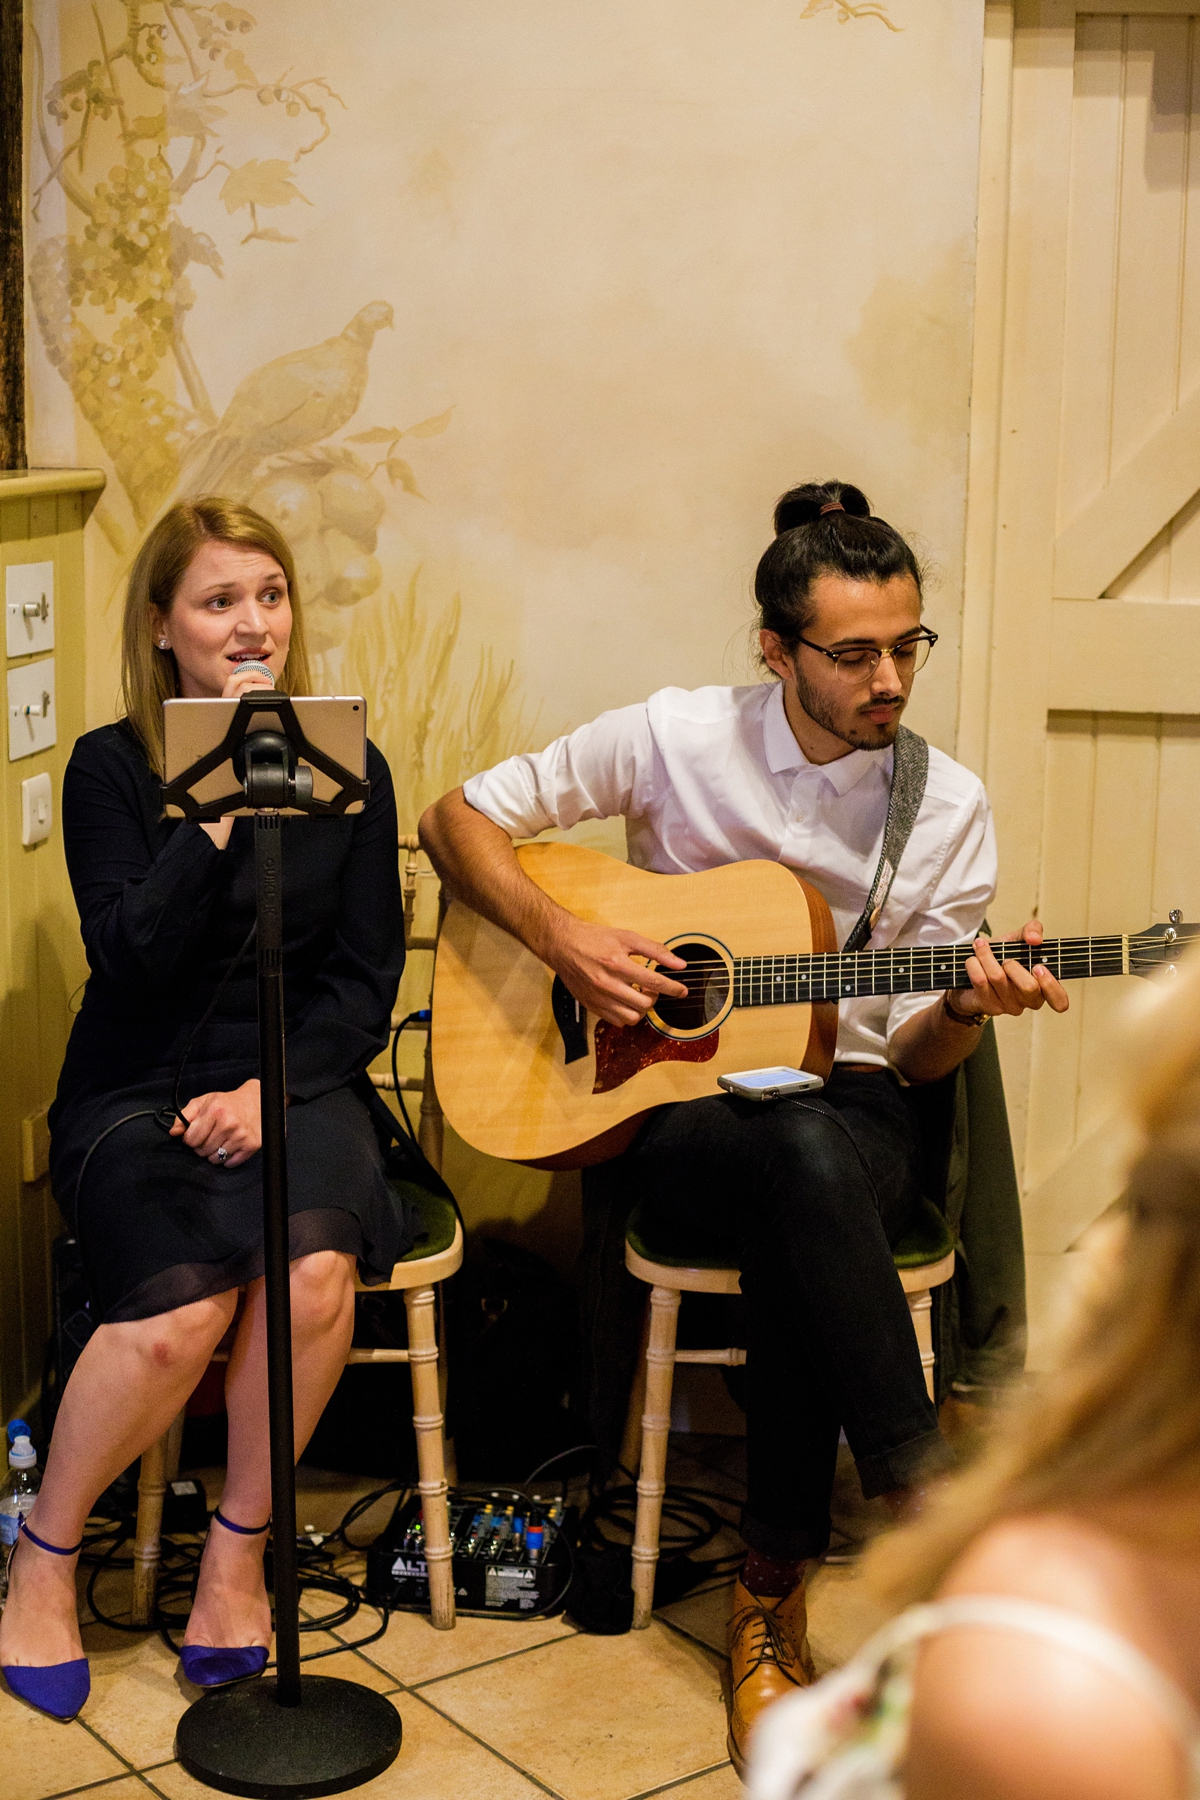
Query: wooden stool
(924, 1260)
(434, 1257)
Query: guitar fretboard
(849, 975)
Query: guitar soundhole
(707, 981)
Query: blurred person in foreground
(1051, 1646)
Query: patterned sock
(769, 1579)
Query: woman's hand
(229, 1122)
(242, 681)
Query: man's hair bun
(823, 528)
(802, 505)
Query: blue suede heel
(59, 1689)
(211, 1666)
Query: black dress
(164, 914)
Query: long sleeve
(142, 905)
(346, 1022)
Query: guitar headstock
(1161, 945)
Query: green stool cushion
(437, 1216)
(927, 1240)
(644, 1239)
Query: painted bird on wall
(296, 400)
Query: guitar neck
(852, 975)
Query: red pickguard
(621, 1050)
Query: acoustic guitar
(523, 1073)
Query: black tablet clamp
(287, 1734)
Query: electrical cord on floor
(179, 1569)
(690, 1520)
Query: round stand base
(239, 1740)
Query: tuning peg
(1175, 916)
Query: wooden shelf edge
(26, 484)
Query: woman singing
(170, 1224)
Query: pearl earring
(162, 643)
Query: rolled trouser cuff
(908, 1465)
(785, 1543)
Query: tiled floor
(494, 1710)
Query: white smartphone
(769, 1084)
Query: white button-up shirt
(716, 776)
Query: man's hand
(1008, 987)
(598, 966)
(931, 1043)
(230, 1122)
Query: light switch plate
(29, 607)
(37, 809)
(32, 716)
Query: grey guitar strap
(910, 768)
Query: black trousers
(807, 1195)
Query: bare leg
(124, 1391)
(231, 1606)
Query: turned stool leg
(428, 1424)
(152, 1484)
(920, 1307)
(656, 1428)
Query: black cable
(404, 1118)
(207, 1015)
(422, 1013)
(165, 1116)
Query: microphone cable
(165, 1116)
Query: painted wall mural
(126, 136)
(516, 316)
(847, 10)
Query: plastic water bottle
(16, 1500)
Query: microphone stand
(288, 1735)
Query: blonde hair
(1120, 1418)
(150, 675)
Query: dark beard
(861, 735)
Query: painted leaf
(189, 246)
(189, 115)
(399, 471)
(267, 234)
(152, 126)
(261, 184)
(378, 434)
(430, 427)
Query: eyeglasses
(860, 661)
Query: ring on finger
(222, 1155)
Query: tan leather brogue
(769, 1657)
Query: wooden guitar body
(500, 1053)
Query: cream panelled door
(1081, 676)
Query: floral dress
(846, 1737)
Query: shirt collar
(783, 753)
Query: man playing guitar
(815, 1190)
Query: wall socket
(37, 809)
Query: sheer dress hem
(320, 1228)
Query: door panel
(1083, 590)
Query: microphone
(260, 668)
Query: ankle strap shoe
(210, 1665)
(58, 1689)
